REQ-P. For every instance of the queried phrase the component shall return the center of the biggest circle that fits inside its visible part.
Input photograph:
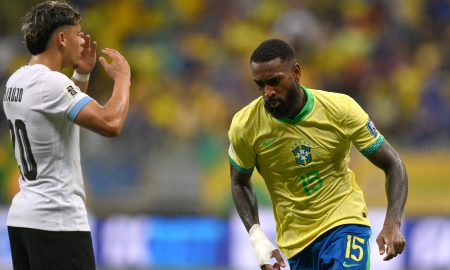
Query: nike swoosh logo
(267, 143)
(345, 264)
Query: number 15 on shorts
(354, 249)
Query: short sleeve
(61, 96)
(240, 153)
(360, 129)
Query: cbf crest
(302, 154)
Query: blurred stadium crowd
(190, 74)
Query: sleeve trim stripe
(239, 168)
(374, 147)
(77, 108)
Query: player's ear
(60, 38)
(297, 72)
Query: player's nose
(268, 91)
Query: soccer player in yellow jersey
(299, 141)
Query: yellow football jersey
(304, 163)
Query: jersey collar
(304, 111)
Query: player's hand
(390, 240)
(280, 262)
(118, 68)
(88, 56)
(264, 249)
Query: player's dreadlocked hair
(42, 20)
(272, 49)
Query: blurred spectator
(190, 75)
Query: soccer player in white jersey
(47, 222)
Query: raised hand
(118, 68)
(88, 56)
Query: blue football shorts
(343, 247)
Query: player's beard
(287, 105)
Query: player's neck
(49, 59)
(299, 106)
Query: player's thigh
(59, 250)
(79, 253)
(348, 248)
(19, 252)
(72, 250)
(303, 260)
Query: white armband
(261, 244)
(81, 77)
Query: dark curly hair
(271, 49)
(42, 20)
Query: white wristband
(81, 77)
(261, 244)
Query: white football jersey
(40, 106)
